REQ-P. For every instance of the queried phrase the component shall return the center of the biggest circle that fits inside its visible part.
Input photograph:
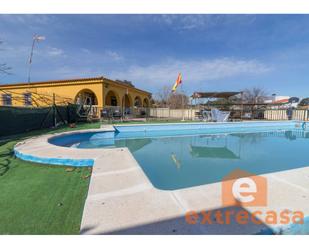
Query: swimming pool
(186, 155)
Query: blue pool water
(180, 156)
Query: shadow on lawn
(7, 155)
(3, 142)
(5, 161)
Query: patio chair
(117, 114)
(206, 115)
(105, 114)
(198, 115)
(247, 115)
(142, 112)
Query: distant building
(281, 101)
(275, 99)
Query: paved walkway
(121, 200)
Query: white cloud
(203, 21)
(68, 71)
(193, 71)
(54, 52)
(186, 22)
(107, 55)
(85, 50)
(113, 55)
(22, 52)
(27, 19)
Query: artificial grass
(40, 199)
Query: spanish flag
(177, 83)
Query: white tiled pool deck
(122, 200)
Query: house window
(7, 99)
(27, 99)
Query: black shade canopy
(225, 95)
(133, 144)
(212, 152)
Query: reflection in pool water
(173, 162)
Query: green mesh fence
(14, 120)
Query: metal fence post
(54, 111)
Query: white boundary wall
(189, 114)
(275, 115)
(300, 115)
(282, 115)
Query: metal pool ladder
(301, 124)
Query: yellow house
(99, 92)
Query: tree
(161, 97)
(178, 101)
(255, 95)
(166, 98)
(4, 68)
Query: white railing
(94, 111)
(108, 112)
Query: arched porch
(137, 101)
(112, 99)
(86, 97)
(146, 102)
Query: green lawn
(40, 199)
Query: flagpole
(182, 103)
(174, 89)
(35, 38)
(30, 60)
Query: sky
(213, 52)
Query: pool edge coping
(98, 152)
